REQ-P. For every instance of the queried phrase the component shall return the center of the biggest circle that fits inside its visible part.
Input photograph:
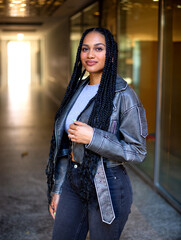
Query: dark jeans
(75, 218)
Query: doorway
(19, 64)
(19, 73)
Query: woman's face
(93, 53)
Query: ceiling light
(20, 36)
(16, 1)
(57, 3)
(96, 13)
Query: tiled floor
(25, 132)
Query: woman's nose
(91, 53)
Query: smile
(91, 63)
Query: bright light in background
(128, 80)
(20, 36)
(19, 64)
(19, 71)
(17, 8)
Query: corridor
(25, 132)
(40, 39)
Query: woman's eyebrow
(94, 44)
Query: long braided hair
(100, 115)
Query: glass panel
(138, 47)
(91, 16)
(75, 35)
(170, 149)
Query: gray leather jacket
(123, 142)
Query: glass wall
(149, 45)
(170, 127)
(75, 35)
(138, 50)
(138, 64)
(91, 16)
(87, 18)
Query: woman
(89, 189)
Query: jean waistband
(107, 164)
(74, 164)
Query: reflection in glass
(75, 35)
(91, 16)
(170, 147)
(137, 64)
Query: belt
(103, 194)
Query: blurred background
(38, 43)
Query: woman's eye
(99, 49)
(84, 49)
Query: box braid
(100, 115)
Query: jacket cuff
(87, 145)
(96, 141)
(56, 189)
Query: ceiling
(35, 17)
(25, 8)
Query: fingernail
(54, 213)
(74, 120)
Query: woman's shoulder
(128, 96)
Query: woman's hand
(53, 205)
(80, 132)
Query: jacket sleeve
(128, 144)
(61, 163)
(60, 172)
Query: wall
(3, 62)
(0, 64)
(57, 60)
(35, 63)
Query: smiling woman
(88, 187)
(93, 55)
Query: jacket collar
(121, 84)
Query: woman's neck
(95, 78)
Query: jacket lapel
(60, 122)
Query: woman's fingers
(51, 209)
(80, 134)
(53, 205)
(77, 123)
(74, 125)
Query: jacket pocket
(142, 121)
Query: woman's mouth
(91, 63)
